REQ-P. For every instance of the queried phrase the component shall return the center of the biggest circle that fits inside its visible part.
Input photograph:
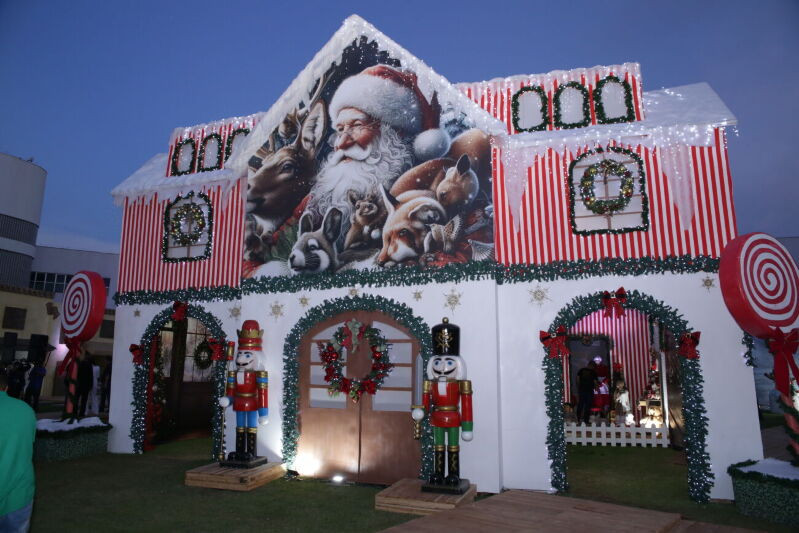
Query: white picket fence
(607, 435)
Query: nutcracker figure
(447, 398)
(247, 390)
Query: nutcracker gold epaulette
(427, 385)
(465, 386)
(231, 373)
(263, 374)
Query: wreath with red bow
(348, 336)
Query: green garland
(231, 138)
(203, 355)
(558, 123)
(749, 342)
(514, 106)
(588, 187)
(172, 231)
(700, 478)
(764, 496)
(450, 273)
(176, 157)
(219, 153)
(644, 226)
(330, 354)
(141, 373)
(599, 105)
(291, 372)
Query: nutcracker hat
(392, 96)
(250, 336)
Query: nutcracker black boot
(438, 466)
(238, 455)
(252, 443)
(453, 466)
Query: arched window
(234, 140)
(188, 226)
(613, 100)
(210, 153)
(184, 157)
(530, 109)
(571, 106)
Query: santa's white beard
(364, 171)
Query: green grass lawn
(654, 478)
(146, 493)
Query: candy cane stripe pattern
(760, 284)
(84, 306)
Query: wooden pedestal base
(406, 496)
(214, 476)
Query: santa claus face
(443, 367)
(355, 132)
(245, 360)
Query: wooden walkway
(518, 510)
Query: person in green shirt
(18, 423)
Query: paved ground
(775, 441)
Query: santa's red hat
(250, 336)
(393, 97)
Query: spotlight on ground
(338, 478)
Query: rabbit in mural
(315, 251)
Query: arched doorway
(404, 320)
(369, 441)
(685, 374)
(151, 389)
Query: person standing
(85, 382)
(586, 381)
(17, 482)
(106, 384)
(16, 379)
(35, 379)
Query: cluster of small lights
(700, 476)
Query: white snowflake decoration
(708, 283)
(539, 295)
(417, 295)
(453, 299)
(353, 291)
(136, 312)
(235, 311)
(276, 310)
(304, 301)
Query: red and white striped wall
(631, 341)
(545, 233)
(224, 128)
(495, 96)
(140, 260)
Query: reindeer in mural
(281, 176)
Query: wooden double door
(370, 441)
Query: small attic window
(183, 158)
(188, 226)
(613, 99)
(529, 106)
(210, 153)
(571, 106)
(234, 140)
(607, 192)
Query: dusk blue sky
(93, 89)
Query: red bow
(347, 341)
(688, 344)
(369, 386)
(179, 311)
(346, 385)
(614, 301)
(376, 354)
(783, 347)
(138, 354)
(217, 349)
(73, 350)
(617, 367)
(556, 344)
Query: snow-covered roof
(687, 114)
(682, 114)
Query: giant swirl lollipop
(81, 315)
(760, 285)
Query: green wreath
(605, 169)
(182, 214)
(203, 355)
(348, 336)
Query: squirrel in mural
(447, 398)
(247, 390)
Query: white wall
(23, 188)
(733, 430)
